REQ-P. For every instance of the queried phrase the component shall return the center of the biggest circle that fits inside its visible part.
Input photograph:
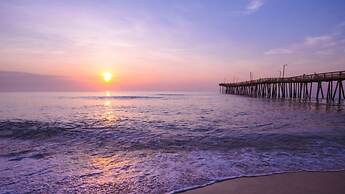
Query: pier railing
(290, 87)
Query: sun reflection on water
(114, 169)
(108, 114)
(109, 117)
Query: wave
(167, 94)
(128, 146)
(120, 97)
(24, 129)
(95, 129)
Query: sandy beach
(286, 183)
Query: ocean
(159, 142)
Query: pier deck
(299, 87)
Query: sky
(167, 45)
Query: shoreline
(300, 182)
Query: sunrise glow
(107, 77)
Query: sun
(107, 76)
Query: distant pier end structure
(327, 86)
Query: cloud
(278, 51)
(326, 52)
(315, 44)
(251, 7)
(328, 44)
(22, 81)
(341, 25)
(254, 5)
(319, 41)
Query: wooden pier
(327, 86)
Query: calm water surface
(158, 142)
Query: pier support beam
(297, 87)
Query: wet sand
(286, 183)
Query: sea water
(159, 142)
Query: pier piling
(297, 87)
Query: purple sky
(170, 45)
